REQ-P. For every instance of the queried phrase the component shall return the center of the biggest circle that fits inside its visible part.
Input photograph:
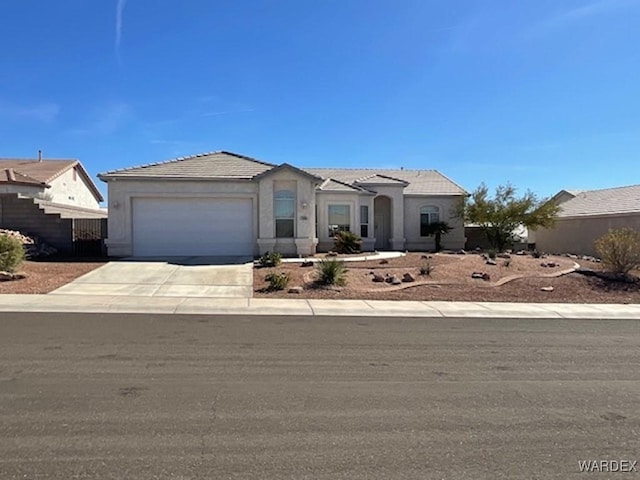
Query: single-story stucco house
(587, 215)
(222, 203)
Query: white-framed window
(339, 219)
(428, 214)
(364, 221)
(284, 208)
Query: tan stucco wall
(354, 200)
(304, 242)
(577, 235)
(68, 191)
(454, 240)
(121, 193)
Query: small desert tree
(620, 250)
(500, 215)
(437, 229)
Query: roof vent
(39, 155)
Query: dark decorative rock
(307, 263)
(384, 261)
(332, 254)
(295, 290)
(461, 252)
(521, 252)
(481, 275)
(490, 262)
(547, 289)
(7, 276)
(426, 257)
(407, 277)
(378, 278)
(503, 255)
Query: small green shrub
(331, 272)
(277, 281)
(536, 254)
(11, 253)
(426, 268)
(347, 242)
(620, 250)
(270, 259)
(492, 254)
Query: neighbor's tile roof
(205, 165)
(425, 182)
(603, 202)
(32, 170)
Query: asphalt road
(150, 396)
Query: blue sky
(544, 94)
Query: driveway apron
(219, 277)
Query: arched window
(428, 214)
(284, 207)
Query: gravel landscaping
(44, 276)
(517, 279)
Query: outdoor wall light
(304, 204)
(115, 205)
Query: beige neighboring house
(63, 182)
(587, 215)
(222, 203)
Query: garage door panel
(192, 226)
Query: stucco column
(397, 241)
(266, 223)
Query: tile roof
(332, 185)
(603, 202)
(31, 171)
(228, 165)
(420, 182)
(9, 175)
(205, 165)
(40, 172)
(377, 179)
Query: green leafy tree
(500, 215)
(437, 229)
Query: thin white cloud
(574, 15)
(226, 112)
(44, 112)
(107, 120)
(119, 11)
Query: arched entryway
(382, 222)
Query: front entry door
(380, 232)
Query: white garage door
(192, 226)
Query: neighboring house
(47, 198)
(63, 182)
(222, 203)
(587, 215)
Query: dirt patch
(451, 280)
(47, 275)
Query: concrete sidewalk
(302, 307)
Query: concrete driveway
(169, 277)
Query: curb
(311, 308)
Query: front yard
(44, 276)
(517, 279)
